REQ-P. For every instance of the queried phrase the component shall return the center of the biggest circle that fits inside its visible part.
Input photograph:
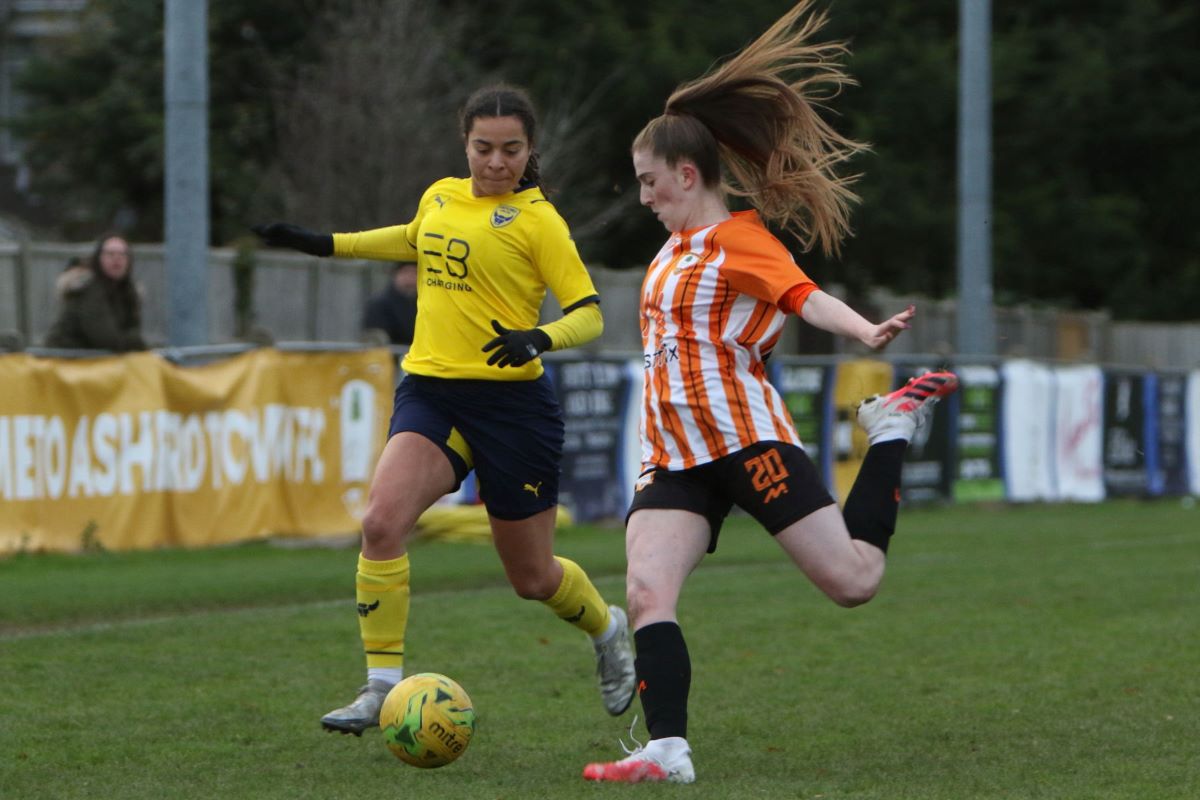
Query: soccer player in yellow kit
(474, 395)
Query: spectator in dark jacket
(394, 310)
(100, 305)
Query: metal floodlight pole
(185, 89)
(976, 324)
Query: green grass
(1030, 652)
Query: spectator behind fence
(99, 305)
(394, 310)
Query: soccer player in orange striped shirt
(715, 433)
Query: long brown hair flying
(757, 114)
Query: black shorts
(509, 432)
(774, 482)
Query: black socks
(664, 673)
(874, 500)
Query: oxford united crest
(503, 215)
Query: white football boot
(899, 414)
(661, 760)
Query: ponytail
(757, 117)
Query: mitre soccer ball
(427, 720)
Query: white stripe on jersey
(684, 367)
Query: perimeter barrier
(202, 446)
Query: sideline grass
(1013, 653)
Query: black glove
(516, 348)
(284, 234)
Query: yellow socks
(578, 602)
(382, 593)
(382, 589)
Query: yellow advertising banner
(853, 381)
(135, 452)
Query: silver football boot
(614, 666)
(363, 713)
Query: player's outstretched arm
(828, 313)
(883, 333)
(284, 234)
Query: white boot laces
(640, 747)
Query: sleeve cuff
(793, 299)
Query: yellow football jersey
(479, 259)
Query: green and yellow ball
(427, 720)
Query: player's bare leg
(526, 547)
(662, 549)
(411, 475)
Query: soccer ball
(427, 720)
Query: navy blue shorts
(509, 432)
(774, 482)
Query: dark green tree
(619, 59)
(1096, 114)
(1096, 107)
(94, 128)
(1096, 148)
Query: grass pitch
(1027, 652)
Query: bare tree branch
(571, 137)
(364, 131)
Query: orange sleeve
(793, 299)
(757, 264)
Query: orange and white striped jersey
(709, 316)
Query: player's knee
(852, 592)
(534, 585)
(379, 526)
(640, 599)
